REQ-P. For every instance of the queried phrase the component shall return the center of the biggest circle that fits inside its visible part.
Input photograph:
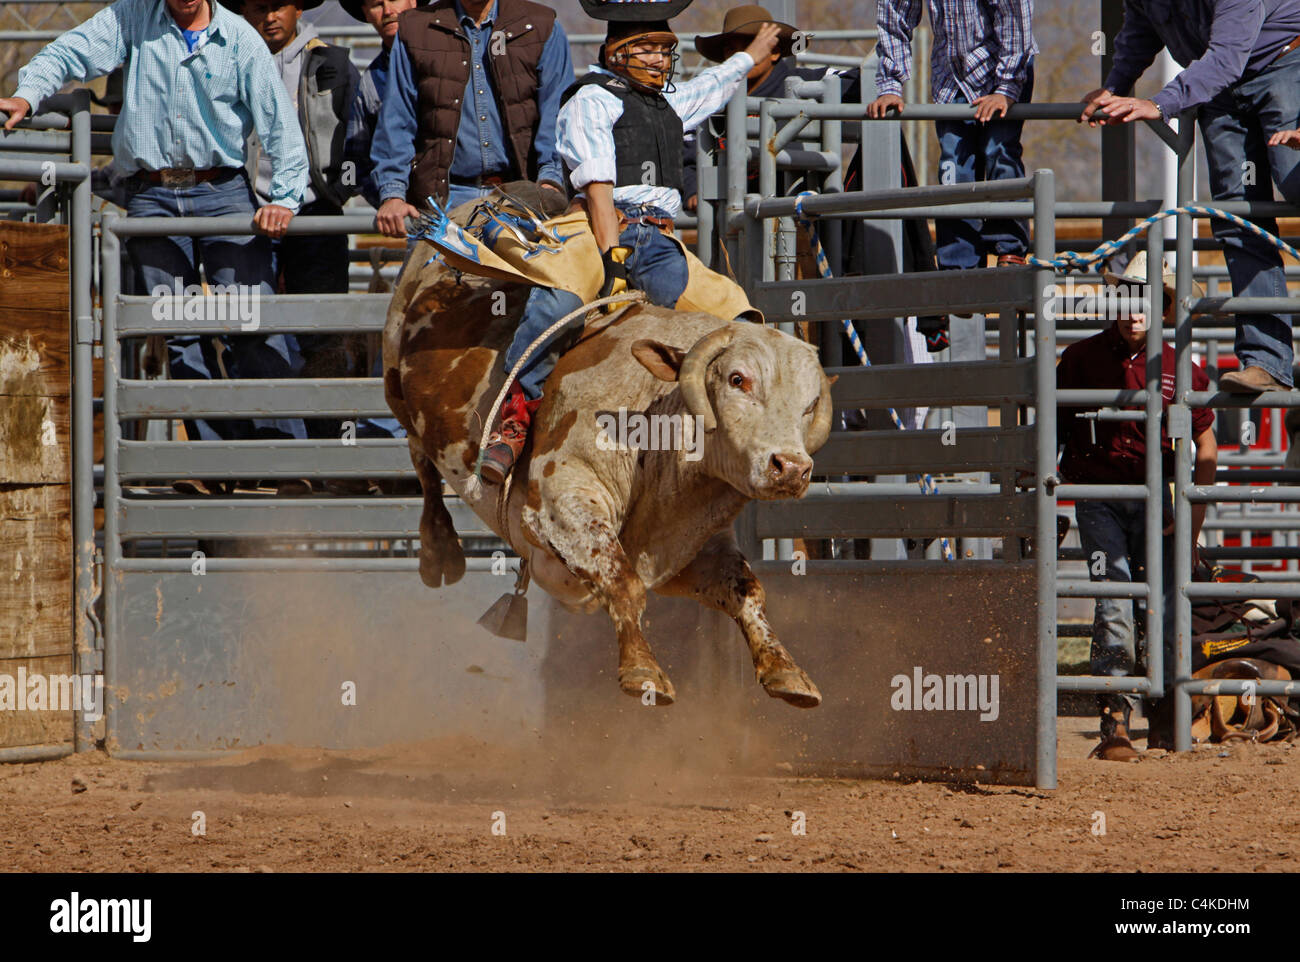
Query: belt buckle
(177, 177)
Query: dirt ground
(433, 807)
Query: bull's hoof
(792, 685)
(441, 562)
(650, 684)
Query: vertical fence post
(110, 270)
(1045, 433)
(734, 225)
(1182, 448)
(83, 420)
(1154, 513)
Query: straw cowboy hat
(743, 22)
(1136, 273)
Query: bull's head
(762, 398)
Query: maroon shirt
(1101, 362)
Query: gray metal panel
(904, 452)
(940, 385)
(284, 518)
(294, 313)
(841, 516)
(270, 397)
(986, 290)
(263, 459)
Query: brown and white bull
(599, 525)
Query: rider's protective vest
(647, 136)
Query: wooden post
(36, 623)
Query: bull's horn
(693, 369)
(821, 426)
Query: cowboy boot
(1115, 745)
(507, 442)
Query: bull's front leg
(586, 540)
(721, 578)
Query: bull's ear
(662, 360)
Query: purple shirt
(1217, 41)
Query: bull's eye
(738, 381)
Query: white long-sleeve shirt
(585, 128)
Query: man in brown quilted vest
(473, 95)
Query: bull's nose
(790, 468)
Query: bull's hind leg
(442, 561)
(588, 545)
(721, 578)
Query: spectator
(471, 103)
(321, 83)
(383, 15)
(766, 79)
(1113, 532)
(1243, 72)
(983, 54)
(623, 121)
(198, 80)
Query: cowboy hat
(743, 22)
(634, 11)
(237, 6)
(353, 9)
(1136, 273)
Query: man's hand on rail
(992, 105)
(16, 108)
(272, 220)
(692, 203)
(883, 104)
(1094, 101)
(391, 219)
(1125, 110)
(1285, 138)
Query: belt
(663, 223)
(482, 180)
(184, 176)
(1295, 42)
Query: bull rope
(473, 492)
(814, 244)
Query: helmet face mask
(648, 59)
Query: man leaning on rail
(472, 98)
(1242, 60)
(198, 80)
(1113, 533)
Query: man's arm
(1013, 25)
(1233, 33)
(1136, 47)
(584, 136)
(267, 101)
(604, 216)
(895, 21)
(361, 131)
(85, 52)
(555, 69)
(393, 147)
(708, 91)
(1207, 463)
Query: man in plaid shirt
(983, 54)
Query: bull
(600, 523)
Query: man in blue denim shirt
(473, 93)
(1243, 70)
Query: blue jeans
(1235, 126)
(1117, 530)
(246, 260)
(970, 151)
(656, 265)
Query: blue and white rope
(1073, 260)
(823, 266)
